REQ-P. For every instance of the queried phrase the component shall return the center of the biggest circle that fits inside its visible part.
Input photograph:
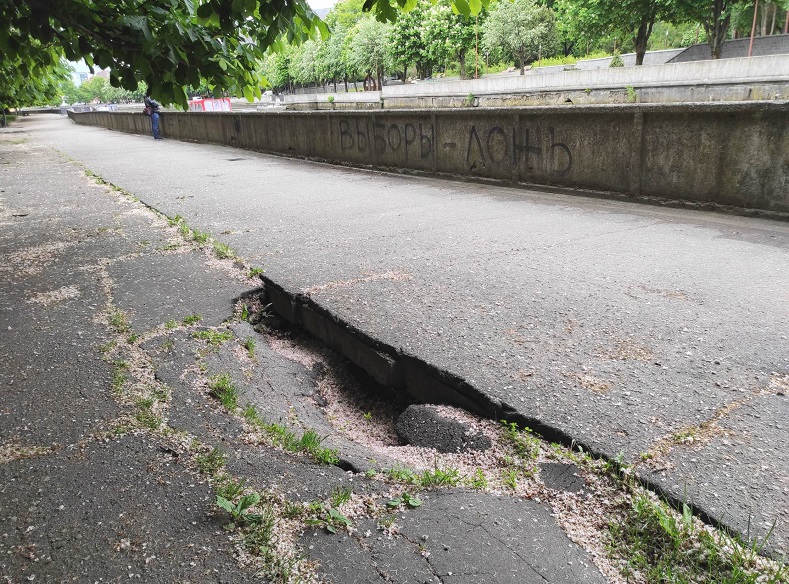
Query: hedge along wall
(733, 154)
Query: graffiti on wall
(412, 141)
(530, 148)
(534, 150)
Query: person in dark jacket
(152, 110)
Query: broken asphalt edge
(400, 371)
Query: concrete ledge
(732, 155)
(773, 68)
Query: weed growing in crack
(200, 237)
(292, 510)
(117, 319)
(171, 324)
(340, 495)
(229, 488)
(145, 415)
(212, 337)
(223, 389)
(249, 345)
(401, 474)
(108, 346)
(259, 537)
(439, 478)
(210, 463)
(254, 272)
(192, 319)
(478, 480)
(223, 251)
(240, 509)
(509, 476)
(119, 377)
(665, 546)
(173, 221)
(132, 338)
(167, 345)
(525, 444)
(285, 438)
(331, 519)
(407, 499)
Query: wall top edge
(689, 107)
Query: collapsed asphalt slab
(622, 328)
(115, 445)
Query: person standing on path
(152, 110)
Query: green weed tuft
(213, 337)
(210, 463)
(222, 388)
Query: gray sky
(316, 4)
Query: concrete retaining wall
(769, 69)
(734, 154)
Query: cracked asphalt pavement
(112, 445)
(656, 336)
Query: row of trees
(431, 35)
(236, 46)
(98, 88)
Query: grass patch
(145, 415)
(666, 546)
(223, 251)
(525, 444)
(108, 346)
(210, 463)
(117, 319)
(223, 389)
(478, 481)
(340, 495)
(229, 488)
(200, 237)
(249, 345)
(283, 437)
(119, 377)
(254, 272)
(213, 337)
(192, 319)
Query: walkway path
(654, 336)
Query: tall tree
(632, 17)
(523, 28)
(369, 49)
(715, 16)
(406, 39)
(167, 43)
(451, 35)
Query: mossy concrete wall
(732, 154)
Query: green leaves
(406, 499)
(241, 509)
(331, 519)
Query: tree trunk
(345, 78)
(462, 59)
(774, 8)
(380, 80)
(405, 73)
(717, 27)
(642, 37)
(522, 59)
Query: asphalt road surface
(659, 336)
